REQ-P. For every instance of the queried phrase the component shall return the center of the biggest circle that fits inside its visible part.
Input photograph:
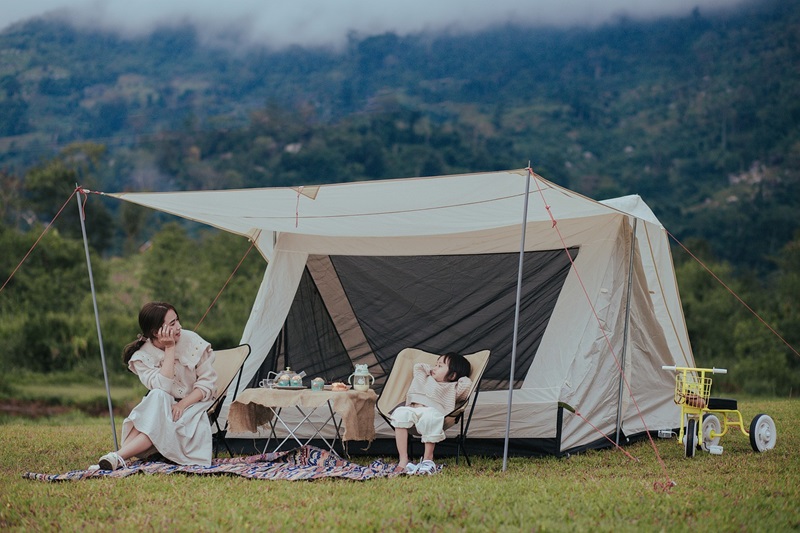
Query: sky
(280, 23)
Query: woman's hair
(458, 366)
(151, 318)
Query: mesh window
(461, 303)
(455, 303)
(309, 340)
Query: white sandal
(426, 467)
(111, 461)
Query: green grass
(78, 393)
(88, 396)
(597, 491)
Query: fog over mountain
(328, 23)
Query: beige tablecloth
(251, 409)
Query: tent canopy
(358, 271)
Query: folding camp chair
(228, 364)
(394, 392)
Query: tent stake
(97, 319)
(516, 317)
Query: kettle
(361, 379)
(287, 378)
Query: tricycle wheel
(690, 442)
(762, 433)
(711, 423)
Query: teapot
(287, 378)
(361, 379)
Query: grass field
(597, 491)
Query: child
(433, 393)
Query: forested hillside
(698, 115)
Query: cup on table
(317, 384)
(266, 383)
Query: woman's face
(172, 323)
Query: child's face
(440, 371)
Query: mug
(317, 384)
(266, 383)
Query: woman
(177, 367)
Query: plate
(289, 387)
(330, 388)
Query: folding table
(350, 415)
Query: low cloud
(328, 22)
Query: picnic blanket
(305, 463)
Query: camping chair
(228, 364)
(394, 392)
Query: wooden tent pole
(97, 317)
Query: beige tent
(358, 271)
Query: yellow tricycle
(705, 420)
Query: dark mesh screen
(309, 340)
(436, 303)
(455, 303)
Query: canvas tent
(358, 271)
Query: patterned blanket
(303, 463)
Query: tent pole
(516, 317)
(625, 334)
(97, 319)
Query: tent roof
(385, 208)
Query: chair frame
(213, 412)
(410, 356)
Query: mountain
(698, 115)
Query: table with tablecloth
(257, 407)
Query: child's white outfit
(427, 403)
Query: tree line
(46, 314)
(697, 114)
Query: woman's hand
(177, 410)
(166, 336)
(179, 407)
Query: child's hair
(458, 366)
(151, 318)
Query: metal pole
(97, 320)
(516, 320)
(625, 334)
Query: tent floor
(475, 447)
(448, 448)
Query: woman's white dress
(186, 441)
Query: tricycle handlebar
(712, 370)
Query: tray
(289, 387)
